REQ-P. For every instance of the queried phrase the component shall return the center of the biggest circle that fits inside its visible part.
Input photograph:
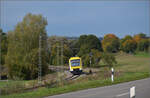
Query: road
(142, 90)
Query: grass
(41, 92)
(133, 63)
(129, 67)
(142, 54)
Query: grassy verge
(41, 92)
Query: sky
(74, 18)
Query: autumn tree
(143, 45)
(142, 42)
(22, 58)
(139, 37)
(129, 46)
(110, 43)
(127, 37)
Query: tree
(142, 35)
(95, 58)
(4, 46)
(110, 43)
(23, 48)
(143, 45)
(127, 37)
(57, 45)
(142, 42)
(54, 39)
(109, 59)
(138, 37)
(74, 47)
(56, 51)
(87, 43)
(84, 49)
(129, 46)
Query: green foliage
(73, 44)
(52, 40)
(57, 44)
(127, 37)
(95, 58)
(88, 42)
(23, 48)
(84, 49)
(56, 51)
(110, 43)
(142, 54)
(109, 59)
(4, 46)
(143, 45)
(129, 46)
(142, 35)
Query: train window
(75, 62)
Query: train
(75, 65)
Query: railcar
(75, 65)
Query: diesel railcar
(75, 65)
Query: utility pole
(40, 61)
(62, 53)
(90, 62)
(57, 55)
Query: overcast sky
(73, 18)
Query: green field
(128, 68)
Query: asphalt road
(142, 90)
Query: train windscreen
(75, 62)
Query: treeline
(24, 48)
(87, 45)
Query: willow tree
(22, 58)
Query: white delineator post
(132, 92)
(112, 74)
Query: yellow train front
(75, 65)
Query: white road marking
(122, 94)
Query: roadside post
(90, 62)
(132, 92)
(112, 74)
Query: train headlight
(71, 69)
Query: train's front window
(75, 62)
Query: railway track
(73, 77)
